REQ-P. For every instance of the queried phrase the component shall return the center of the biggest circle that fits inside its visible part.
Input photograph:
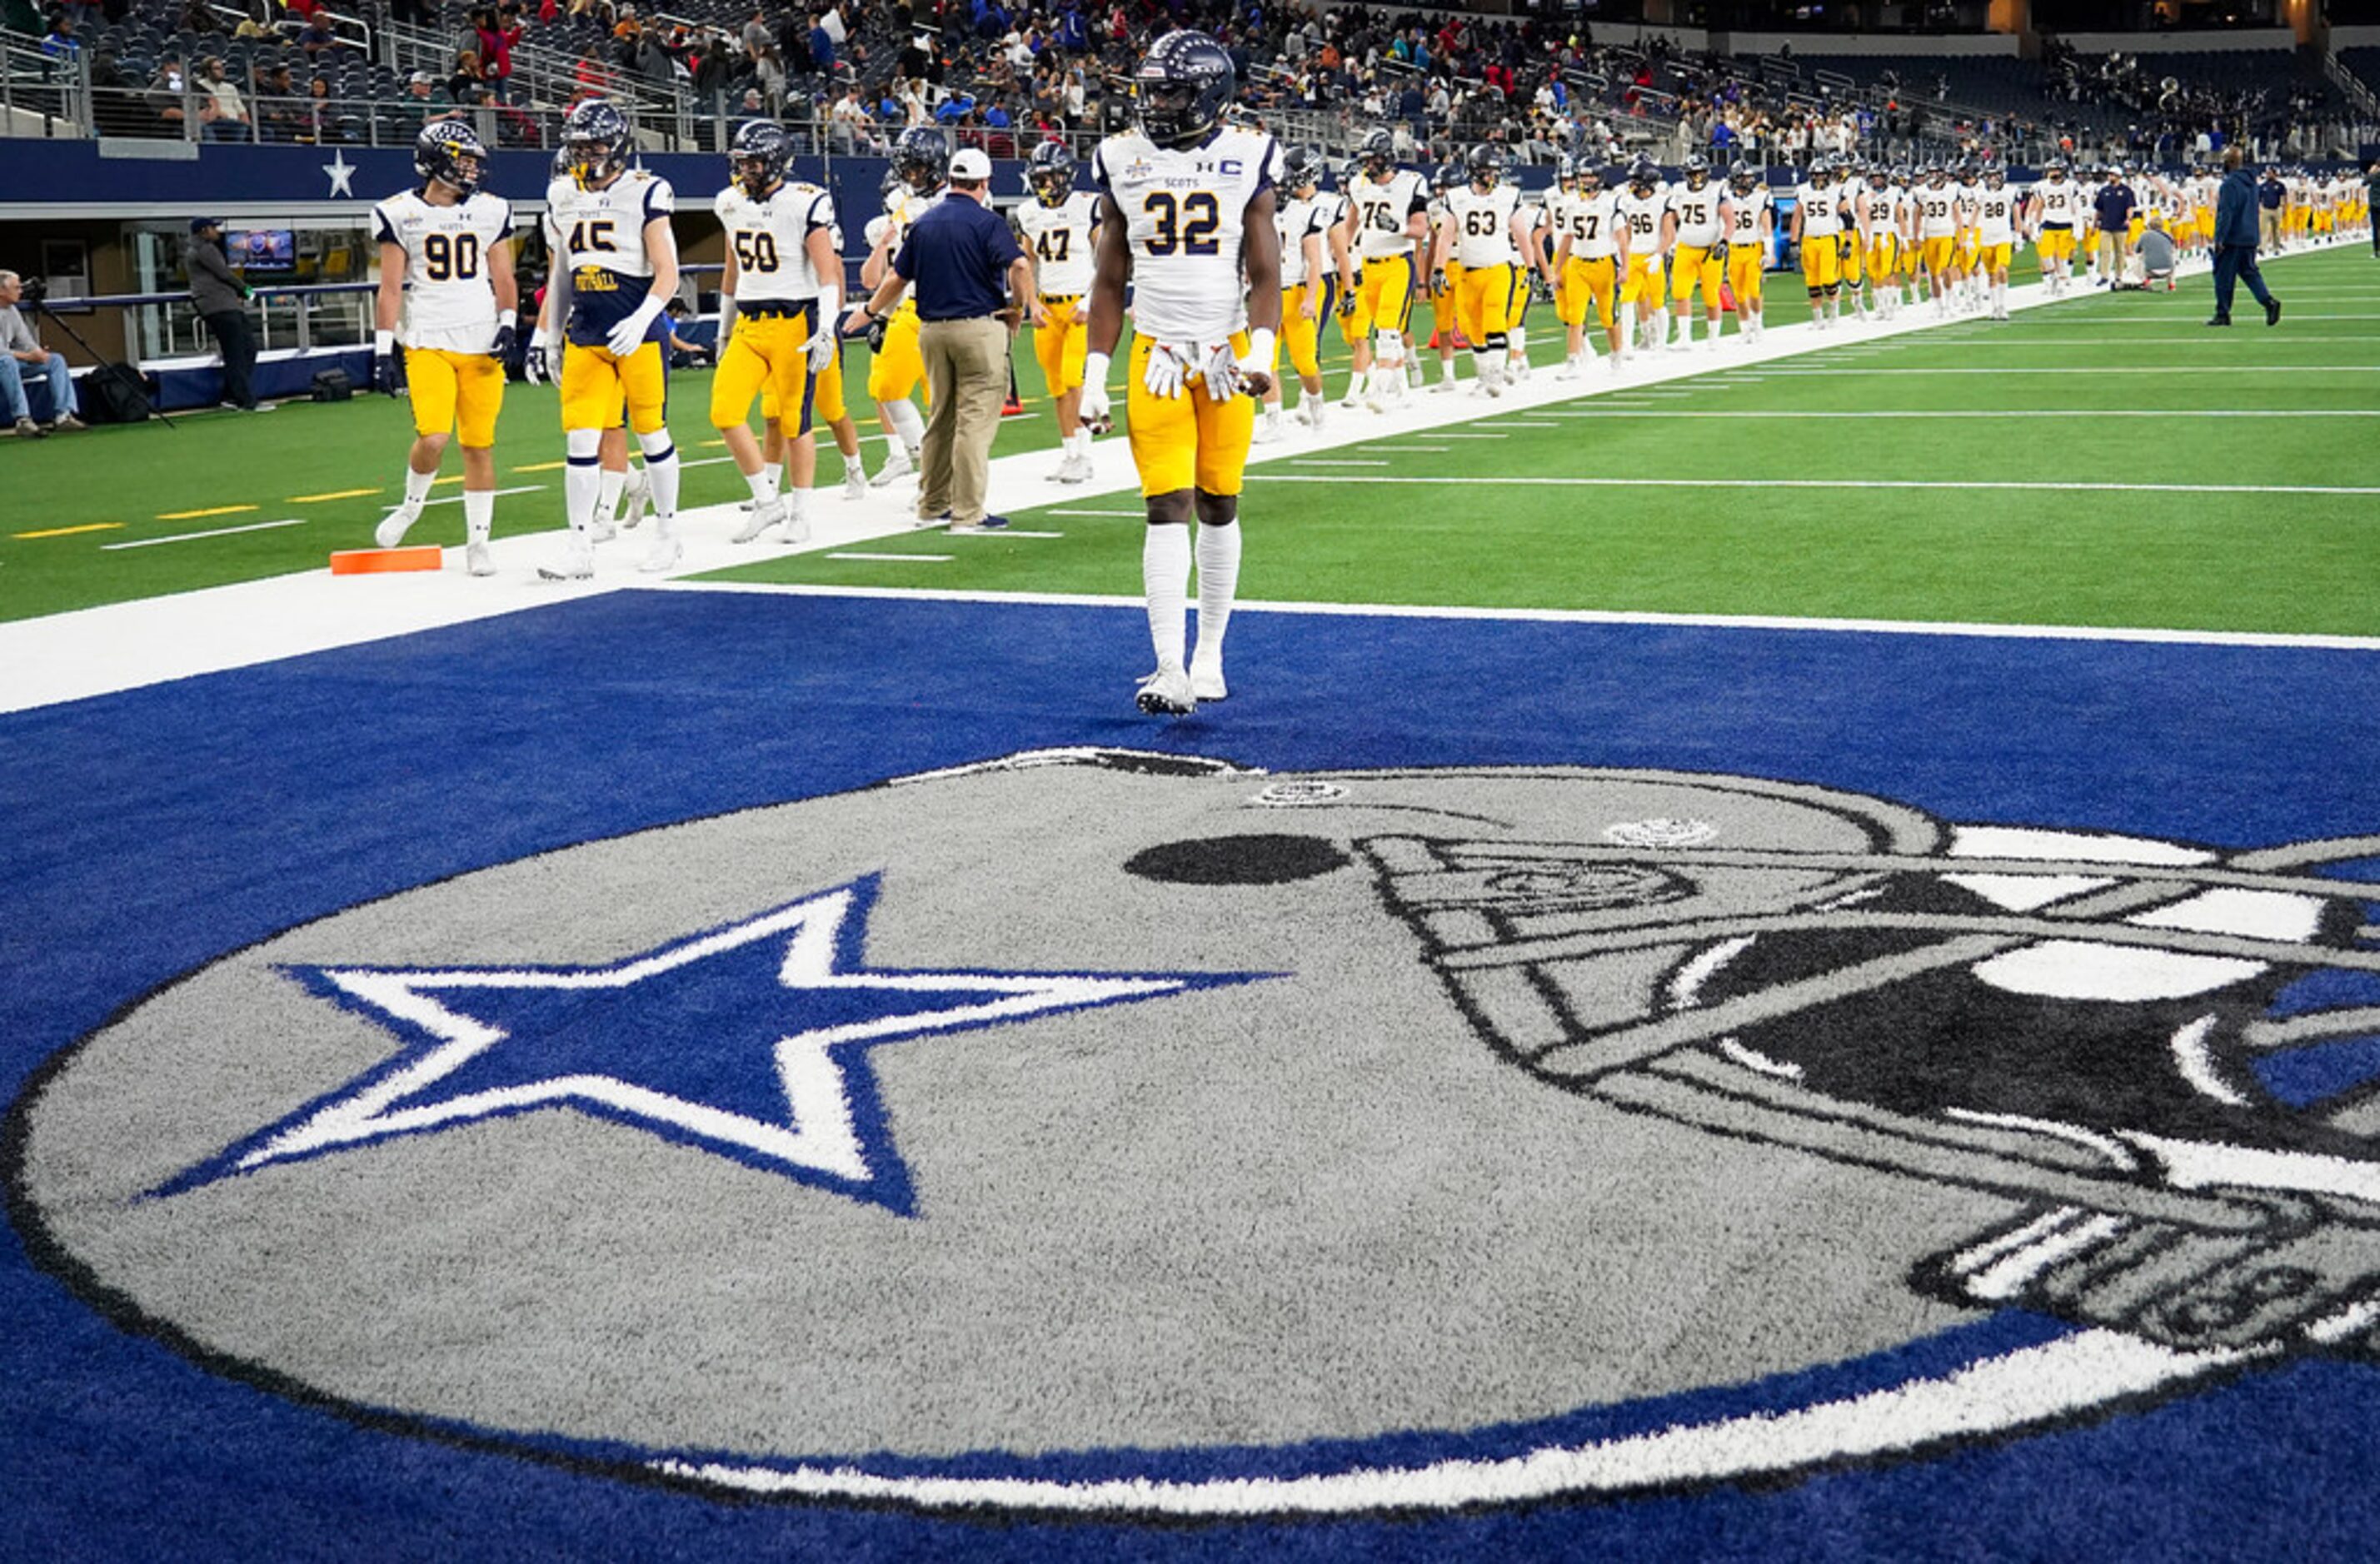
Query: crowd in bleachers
(848, 75)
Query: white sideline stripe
(211, 532)
(1998, 339)
(1334, 462)
(996, 532)
(1535, 481)
(1456, 434)
(2106, 370)
(2078, 413)
(903, 559)
(1397, 447)
(85, 653)
(1954, 628)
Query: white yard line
(211, 532)
(124, 646)
(2068, 413)
(456, 499)
(897, 559)
(2226, 369)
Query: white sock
(1311, 403)
(1355, 383)
(1219, 586)
(416, 486)
(856, 463)
(797, 504)
(479, 513)
(763, 485)
(607, 496)
(582, 481)
(908, 424)
(1165, 577)
(661, 472)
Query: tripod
(41, 306)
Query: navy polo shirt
(956, 259)
(2114, 205)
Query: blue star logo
(749, 1041)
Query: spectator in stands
(166, 90)
(320, 122)
(60, 44)
(317, 37)
(278, 111)
(467, 82)
(21, 353)
(256, 24)
(117, 103)
(847, 126)
(200, 18)
(822, 45)
(221, 108)
(222, 300)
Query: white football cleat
(577, 564)
(663, 555)
(392, 528)
(635, 495)
(1166, 693)
(1207, 679)
(480, 560)
(1074, 470)
(762, 518)
(797, 526)
(1267, 430)
(854, 481)
(604, 531)
(897, 465)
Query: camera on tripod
(34, 290)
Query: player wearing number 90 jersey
(1186, 208)
(616, 263)
(446, 264)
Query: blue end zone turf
(155, 831)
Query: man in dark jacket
(2235, 243)
(222, 300)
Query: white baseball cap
(970, 165)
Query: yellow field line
(333, 494)
(436, 481)
(212, 510)
(542, 466)
(70, 531)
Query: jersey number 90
(450, 258)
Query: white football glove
(544, 360)
(1222, 374)
(629, 335)
(821, 344)
(1169, 370)
(1096, 407)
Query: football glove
(823, 341)
(1094, 407)
(388, 370)
(544, 361)
(1220, 371)
(1437, 283)
(629, 335)
(876, 327)
(1169, 369)
(508, 339)
(1347, 299)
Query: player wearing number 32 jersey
(1187, 206)
(615, 266)
(446, 265)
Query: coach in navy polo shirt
(972, 282)
(2113, 206)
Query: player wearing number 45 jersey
(1186, 204)
(446, 264)
(615, 267)
(782, 281)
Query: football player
(1643, 208)
(1849, 182)
(1996, 238)
(921, 170)
(1587, 261)
(1968, 271)
(1305, 222)
(782, 289)
(615, 266)
(1058, 227)
(1186, 204)
(1817, 228)
(1694, 232)
(1537, 258)
(1937, 235)
(446, 267)
(1390, 213)
(1481, 243)
(2053, 212)
(1751, 220)
(1879, 215)
(1346, 257)
(1444, 269)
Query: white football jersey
(1937, 211)
(1382, 207)
(605, 228)
(1744, 215)
(1297, 219)
(1589, 220)
(1820, 217)
(1880, 211)
(770, 239)
(1996, 216)
(1184, 210)
(1059, 238)
(2062, 200)
(1642, 215)
(1483, 224)
(449, 303)
(1698, 212)
(1969, 198)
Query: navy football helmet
(1643, 176)
(1301, 167)
(922, 158)
(598, 139)
(759, 156)
(450, 151)
(1740, 174)
(1050, 173)
(1377, 154)
(1184, 83)
(1697, 169)
(1486, 165)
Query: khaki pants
(2268, 227)
(967, 365)
(2114, 248)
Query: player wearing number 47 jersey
(1186, 204)
(782, 281)
(1058, 226)
(446, 265)
(615, 267)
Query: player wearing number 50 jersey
(1057, 227)
(446, 266)
(783, 283)
(615, 266)
(1186, 207)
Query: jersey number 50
(755, 251)
(1189, 226)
